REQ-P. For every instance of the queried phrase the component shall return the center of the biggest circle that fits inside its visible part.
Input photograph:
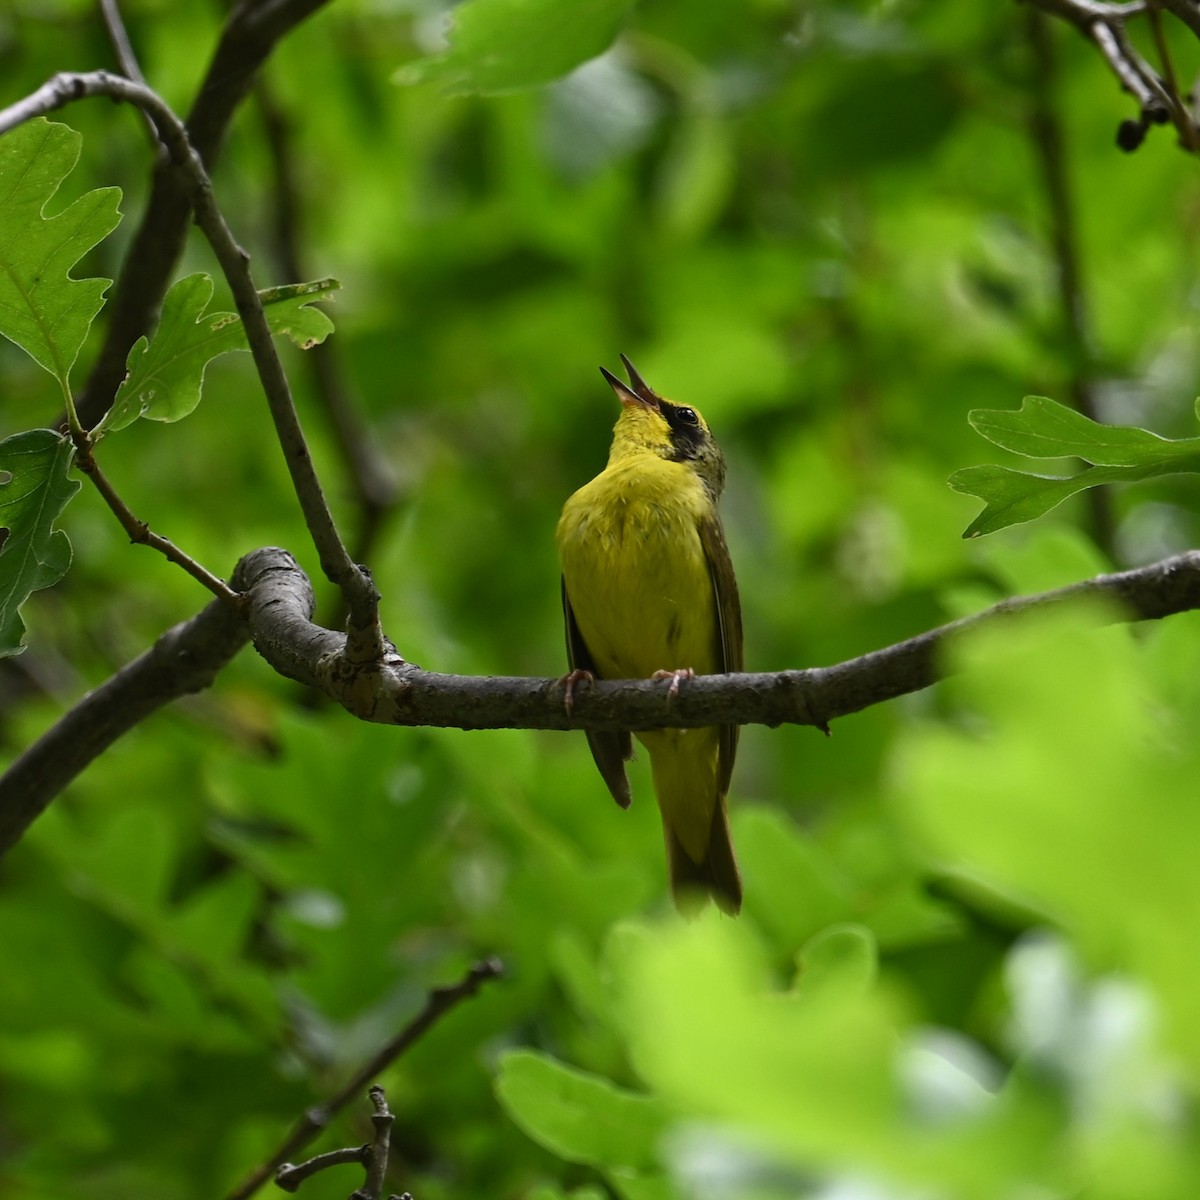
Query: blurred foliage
(965, 967)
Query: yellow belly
(636, 572)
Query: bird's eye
(687, 416)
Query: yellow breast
(635, 569)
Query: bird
(648, 591)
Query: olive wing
(610, 750)
(730, 654)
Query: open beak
(640, 394)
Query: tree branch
(290, 1176)
(1158, 96)
(1050, 147)
(359, 592)
(279, 603)
(441, 1000)
(139, 532)
(371, 479)
(185, 659)
(250, 34)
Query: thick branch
(185, 659)
(280, 604)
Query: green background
(967, 963)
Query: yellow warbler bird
(649, 591)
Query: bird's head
(651, 423)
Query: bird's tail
(715, 875)
(687, 782)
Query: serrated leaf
(42, 309)
(34, 489)
(165, 376)
(1043, 428)
(509, 45)
(582, 1118)
(1012, 497)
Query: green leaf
(510, 45)
(34, 489)
(840, 960)
(1074, 791)
(166, 376)
(811, 1071)
(581, 1118)
(1012, 497)
(1043, 428)
(42, 309)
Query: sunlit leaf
(582, 1118)
(42, 309)
(1072, 790)
(509, 45)
(34, 489)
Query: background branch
(1050, 146)
(250, 34)
(439, 1002)
(355, 584)
(185, 659)
(1158, 97)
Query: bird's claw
(568, 682)
(675, 677)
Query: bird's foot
(675, 677)
(568, 682)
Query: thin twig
(1180, 114)
(366, 639)
(139, 532)
(377, 1160)
(370, 476)
(250, 34)
(290, 1176)
(1104, 25)
(185, 659)
(1080, 12)
(1186, 11)
(118, 39)
(1135, 75)
(440, 1001)
(122, 48)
